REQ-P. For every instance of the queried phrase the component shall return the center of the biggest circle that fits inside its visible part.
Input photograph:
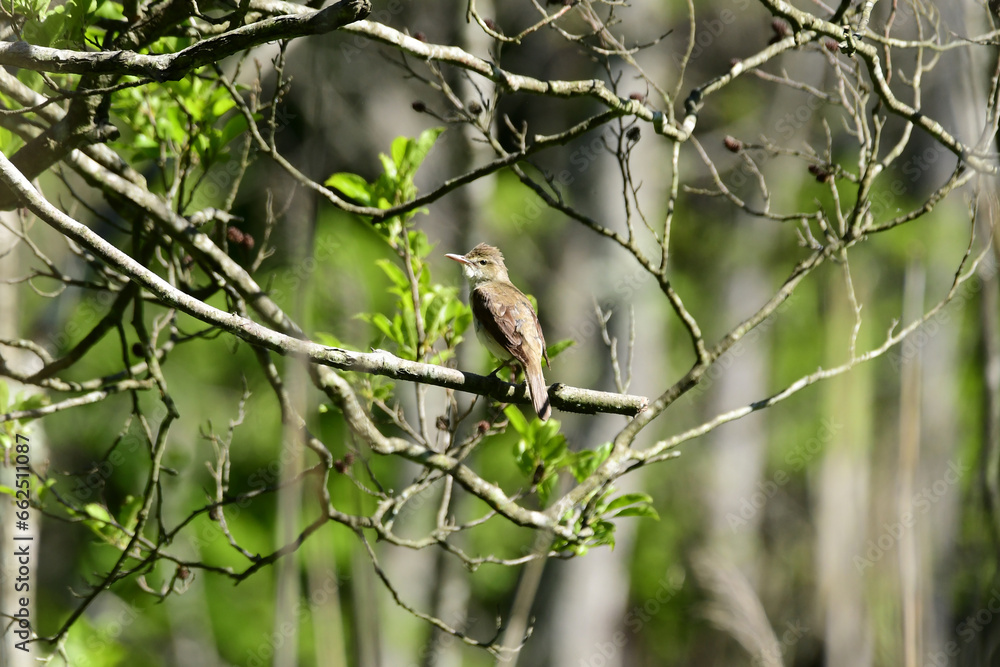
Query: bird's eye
(482, 262)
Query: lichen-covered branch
(173, 66)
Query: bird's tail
(539, 391)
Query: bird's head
(482, 264)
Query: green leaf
(408, 331)
(109, 10)
(632, 504)
(9, 142)
(398, 150)
(547, 487)
(130, 512)
(435, 316)
(426, 141)
(33, 9)
(516, 419)
(586, 462)
(627, 499)
(551, 449)
(102, 524)
(330, 340)
(221, 104)
(639, 510)
(524, 458)
(30, 402)
(420, 245)
(604, 533)
(97, 511)
(42, 490)
(48, 31)
(413, 153)
(383, 324)
(233, 128)
(351, 185)
(388, 166)
(561, 346)
(77, 17)
(461, 315)
(396, 275)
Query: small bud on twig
(539, 474)
(781, 30)
(342, 465)
(821, 173)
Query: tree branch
(173, 66)
(378, 362)
(869, 55)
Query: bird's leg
(513, 365)
(510, 363)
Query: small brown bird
(506, 324)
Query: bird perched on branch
(506, 324)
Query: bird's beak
(458, 258)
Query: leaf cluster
(10, 428)
(192, 116)
(425, 313)
(542, 452)
(67, 24)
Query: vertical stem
(909, 456)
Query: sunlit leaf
(639, 510)
(628, 499)
(351, 185)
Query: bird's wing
(541, 340)
(507, 316)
